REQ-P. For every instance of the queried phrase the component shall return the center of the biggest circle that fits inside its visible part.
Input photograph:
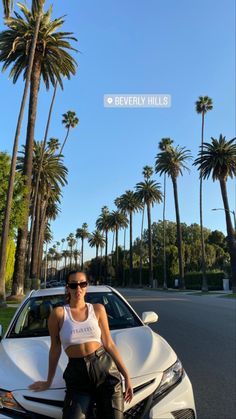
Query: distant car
(162, 388)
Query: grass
(6, 315)
(228, 295)
(200, 293)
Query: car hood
(25, 360)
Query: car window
(32, 319)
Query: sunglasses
(75, 285)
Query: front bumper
(176, 403)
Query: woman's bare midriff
(81, 350)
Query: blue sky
(185, 49)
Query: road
(202, 331)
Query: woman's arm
(54, 353)
(110, 346)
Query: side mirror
(149, 317)
(1, 332)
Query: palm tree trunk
(7, 213)
(179, 235)
(82, 253)
(204, 279)
(35, 241)
(141, 251)
(230, 233)
(19, 268)
(150, 244)
(29, 256)
(97, 270)
(164, 236)
(117, 255)
(113, 241)
(123, 264)
(106, 259)
(130, 249)
(68, 130)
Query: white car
(162, 389)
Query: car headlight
(170, 377)
(7, 401)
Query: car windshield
(31, 321)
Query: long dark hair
(76, 271)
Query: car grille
(183, 414)
(137, 411)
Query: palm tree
(117, 220)
(172, 162)
(218, 159)
(102, 224)
(129, 203)
(71, 242)
(70, 120)
(96, 240)
(52, 177)
(7, 4)
(52, 62)
(164, 144)
(53, 145)
(148, 192)
(82, 233)
(76, 255)
(65, 255)
(147, 173)
(203, 105)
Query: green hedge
(193, 280)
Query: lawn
(6, 315)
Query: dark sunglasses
(75, 285)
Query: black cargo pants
(93, 378)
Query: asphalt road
(202, 331)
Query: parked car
(162, 388)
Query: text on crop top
(75, 332)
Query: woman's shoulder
(98, 308)
(58, 312)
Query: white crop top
(75, 332)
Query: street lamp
(232, 212)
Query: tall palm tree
(218, 159)
(71, 242)
(96, 240)
(147, 173)
(117, 220)
(7, 4)
(164, 144)
(76, 255)
(102, 224)
(172, 162)
(53, 146)
(70, 120)
(129, 203)
(202, 106)
(148, 193)
(52, 62)
(65, 255)
(82, 233)
(53, 176)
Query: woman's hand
(39, 386)
(128, 390)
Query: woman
(94, 363)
